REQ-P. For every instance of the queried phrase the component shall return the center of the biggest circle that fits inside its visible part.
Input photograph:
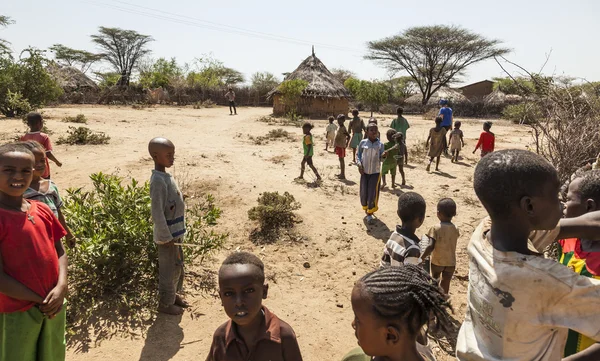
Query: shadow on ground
(164, 338)
(378, 229)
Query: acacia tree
(4, 44)
(263, 82)
(73, 57)
(122, 49)
(211, 73)
(434, 56)
(342, 74)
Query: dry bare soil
(215, 154)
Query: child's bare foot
(181, 302)
(341, 176)
(383, 185)
(170, 309)
(300, 178)
(437, 169)
(393, 185)
(428, 167)
(403, 182)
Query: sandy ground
(215, 155)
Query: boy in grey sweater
(168, 211)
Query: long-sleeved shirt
(486, 142)
(168, 209)
(369, 156)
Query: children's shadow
(409, 166)
(444, 174)
(378, 229)
(464, 164)
(396, 191)
(347, 182)
(163, 340)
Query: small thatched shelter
(324, 95)
(453, 95)
(71, 79)
(498, 97)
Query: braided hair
(407, 294)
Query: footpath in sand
(216, 155)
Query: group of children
(520, 305)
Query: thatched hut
(71, 79)
(453, 95)
(324, 95)
(497, 97)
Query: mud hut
(324, 95)
(71, 79)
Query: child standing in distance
(389, 164)
(443, 237)
(230, 95)
(308, 147)
(582, 255)
(403, 245)
(456, 141)
(512, 288)
(447, 119)
(253, 332)
(437, 136)
(486, 140)
(330, 134)
(357, 125)
(36, 123)
(400, 125)
(370, 153)
(391, 306)
(342, 138)
(33, 267)
(168, 212)
(45, 190)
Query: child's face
(371, 332)
(306, 130)
(241, 292)
(372, 133)
(164, 156)
(545, 211)
(341, 122)
(575, 205)
(40, 162)
(390, 137)
(16, 172)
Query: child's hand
(474, 151)
(71, 240)
(361, 170)
(54, 300)
(59, 164)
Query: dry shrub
(83, 135)
(275, 134)
(79, 118)
(274, 213)
(418, 151)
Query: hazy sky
(239, 32)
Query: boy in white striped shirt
(368, 159)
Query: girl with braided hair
(391, 305)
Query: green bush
(14, 105)
(79, 118)
(524, 113)
(114, 267)
(273, 213)
(83, 135)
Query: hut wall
(313, 107)
(478, 91)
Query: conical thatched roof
(321, 83)
(443, 93)
(499, 97)
(70, 78)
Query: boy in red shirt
(33, 267)
(486, 140)
(36, 123)
(253, 332)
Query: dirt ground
(215, 154)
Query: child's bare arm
(591, 353)
(53, 158)
(429, 249)
(585, 226)
(70, 238)
(462, 139)
(15, 289)
(53, 302)
(427, 142)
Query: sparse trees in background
(399, 88)
(160, 73)
(25, 84)
(434, 56)
(122, 49)
(371, 93)
(4, 44)
(107, 79)
(343, 74)
(80, 59)
(262, 83)
(212, 73)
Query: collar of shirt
(269, 330)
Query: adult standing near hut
(230, 95)
(446, 112)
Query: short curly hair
(589, 186)
(246, 258)
(411, 206)
(502, 178)
(447, 207)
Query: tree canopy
(160, 73)
(212, 73)
(81, 59)
(263, 82)
(372, 93)
(4, 44)
(342, 74)
(434, 56)
(122, 49)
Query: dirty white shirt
(520, 307)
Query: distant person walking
(230, 95)
(446, 112)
